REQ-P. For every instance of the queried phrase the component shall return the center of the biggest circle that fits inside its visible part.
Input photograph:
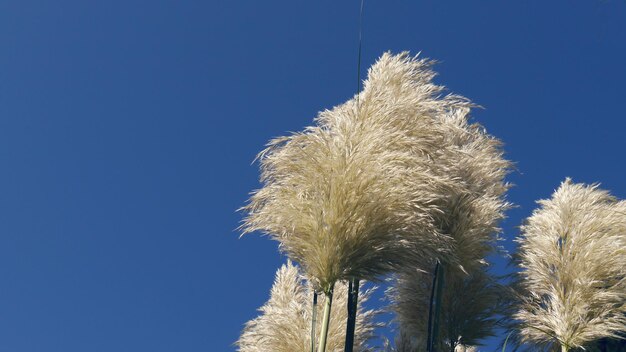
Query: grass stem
(328, 302)
(353, 296)
(436, 300)
(313, 321)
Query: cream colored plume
(359, 194)
(470, 217)
(285, 321)
(572, 253)
(469, 311)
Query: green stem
(328, 302)
(431, 309)
(564, 348)
(437, 319)
(353, 297)
(313, 321)
(436, 300)
(505, 341)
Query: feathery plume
(360, 194)
(285, 319)
(470, 217)
(469, 308)
(356, 196)
(572, 252)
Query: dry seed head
(285, 321)
(470, 217)
(358, 195)
(469, 311)
(572, 253)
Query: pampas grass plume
(469, 313)
(356, 195)
(572, 253)
(470, 217)
(285, 320)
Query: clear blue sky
(127, 129)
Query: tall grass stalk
(436, 301)
(328, 302)
(353, 298)
(506, 341)
(313, 320)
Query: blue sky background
(127, 129)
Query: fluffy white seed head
(469, 310)
(572, 253)
(285, 321)
(469, 216)
(358, 194)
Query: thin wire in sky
(358, 68)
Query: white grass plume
(357, 195)
(469, 312)
(285, 321)
(572, 253)
(470, 217)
